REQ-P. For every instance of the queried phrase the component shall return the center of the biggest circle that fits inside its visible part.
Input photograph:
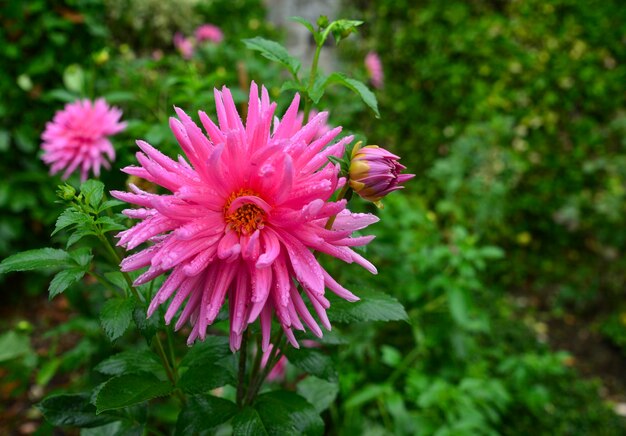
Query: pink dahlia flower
(77, 137)
(297, 124)
(243, 218)
(183, 45)
(375, 172)
(374, 69)
(209, 32)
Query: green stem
(243, 355)
(116, 258)
(256, 365)
(312, 75)
(103, 281)
(171, 373)
(278, 345)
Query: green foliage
(130, 389)
(116, 315)
(202, 414)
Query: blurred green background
(507, 249)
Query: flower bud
(375, 172)
(66, 192)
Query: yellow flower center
(246, 218)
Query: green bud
(66, 192)
(322, 22)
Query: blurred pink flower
(183, 45)
(242, 221)
(77, 137)
(209, 32)
(277, 373)
(375, 172)
(374, 68)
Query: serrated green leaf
(116, 315)
(248, 423)
(129, 389)
(92, 190)
(312, 362)
(147, 326)
(285, 412)
(117, 278)
(320, 393)
(68, 217)
(108, 224)
(109, 204)
(274, 52)
(212, 349)
(63, 280)
(200, 379)
(203, 413)
(373, 306)
(13, 345)
(357, 87)
(35, 259)
(72, 410)
(128, 362)
(79, 234)
(82, 256)
(304, 22)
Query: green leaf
(109, 224)
(212, 349)
(285, 412)
(82, 256)
(117, 278)
(63, 280)
(13, 345)
(109, 204)
(116, 315)
(373, 306)
(320, 393)
(312, 361)
(79, 234)
(202, 413)
(128, 362)
(147, 326)
(248, 423)
(63, 95)
(357, 87)
(304, 22)
(70, 216)
(72, 410)
(74, 78)
(368, 393)
(47, 371)
(35, 259)
(318, 88)
(199, 379)
(291, 85)
(274, 52)
(458, 306)
(93, 191)
(128, 389)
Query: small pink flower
(375, 172)
(183, 45)
(243, 218)
(77, 137)
(277, 373)
(374, 68)
(209, 32)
